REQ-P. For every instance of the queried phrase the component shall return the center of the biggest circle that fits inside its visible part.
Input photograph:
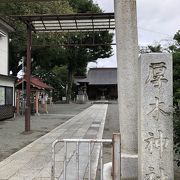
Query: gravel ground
(13, 137)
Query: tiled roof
(35, 82)
(101, 76)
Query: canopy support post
(28, 83)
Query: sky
(158, 21)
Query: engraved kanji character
(156, 74)
(151, 175)
(160, 143)
(157, 109)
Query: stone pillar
(127, 61)
(155, 117)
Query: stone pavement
(34, 161)
(12, 135)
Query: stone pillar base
(129, 167)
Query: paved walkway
(34, 161)
(12, 135)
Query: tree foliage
(176, 77)
(17, 47)
(175, 50)
(156, 48)
(80, 56)
(84, 6)
(49, 51)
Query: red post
(17, 101)
(37, 102)
(28, 83)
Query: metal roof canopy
(70, 23)
(101, 76)
(60, 23)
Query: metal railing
(90, 146)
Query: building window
(6, 95)
(9, 96)
(2, 95)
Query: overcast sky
(158, 21)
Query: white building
(7, 95)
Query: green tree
(155, 48)
(42, 55)
(80, 56)
(84, 6)
(175, 49)
(45, 58)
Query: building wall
(7, 95)
(3, 53)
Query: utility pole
(23, 91)
(28, 76)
